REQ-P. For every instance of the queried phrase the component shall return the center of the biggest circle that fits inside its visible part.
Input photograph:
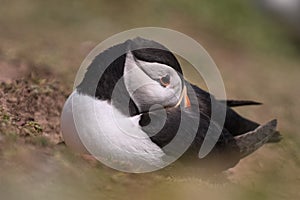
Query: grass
(239, 21)
(257, 61)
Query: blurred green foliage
(237, 21)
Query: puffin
(135, 107)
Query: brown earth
(31, 102)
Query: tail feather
(251, 141)
(237, 103)
(276, 137)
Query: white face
(150, 83)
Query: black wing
(225, 153)
(234, 123)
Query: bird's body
(112, 116)
(100, 128)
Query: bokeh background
(254, 43)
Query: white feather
(92, 125)
(141, 81)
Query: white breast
(94, 126)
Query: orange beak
(185, 98)
(187, 102)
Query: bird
(131, 103)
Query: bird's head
(146, 71)
(153, 83)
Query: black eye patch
(165, 80)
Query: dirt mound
(30, 108)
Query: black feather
(237, 103)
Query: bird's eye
(165, 80)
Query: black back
(107, 69)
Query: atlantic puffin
(149, 87)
